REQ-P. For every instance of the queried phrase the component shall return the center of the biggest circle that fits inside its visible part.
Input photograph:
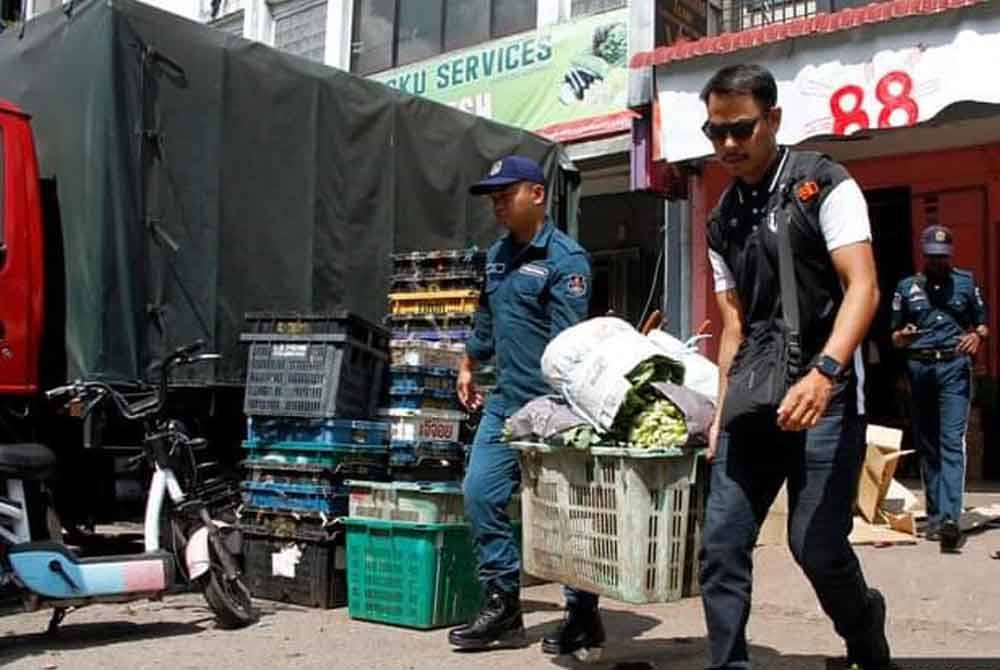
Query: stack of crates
(410, 556)
(432, 304)
(313, 382)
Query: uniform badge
(940, 236)
(495, 170)
(915, 289)
(807, 191)
(535, 269)
(576, 286)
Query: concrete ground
(940, 607)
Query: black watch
(829, 367)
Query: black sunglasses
(738, 130)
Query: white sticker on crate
(414, 429)
(283, 562)
(289, 350)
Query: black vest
(748, 243)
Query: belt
(933, 355)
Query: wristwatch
(829, 367)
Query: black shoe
(952, 538)
(870, 651)
(581, 634)
(498, 624)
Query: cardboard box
(881, 458)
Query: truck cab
(21, 256)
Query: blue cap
(507, 171)
(936, 241)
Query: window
(418, 31)
(513, 16)
(300, 28)
(588, 7)
(374, 26)
(466, 23)
(392, 33)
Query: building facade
(898, 91)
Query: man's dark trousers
(492, 478)
(941, 392)
(821, 466)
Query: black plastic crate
(313, 376)
(340, 322)
(297, 571)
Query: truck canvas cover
(201, 176)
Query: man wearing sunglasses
(816, 440)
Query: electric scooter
(49, 574)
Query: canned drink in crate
(409, 425)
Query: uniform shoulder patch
(576, 285)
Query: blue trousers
(491, 479)
(941, 397)
(821, 467)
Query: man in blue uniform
(939, 319)
(537, 284)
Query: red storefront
(905, 94)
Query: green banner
(535, 80)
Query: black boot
(498, 624)
(870, 650)
(951, 537)
(581, 634)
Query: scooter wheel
(229, 600)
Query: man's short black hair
(744, 80)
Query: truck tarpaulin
(201, 176)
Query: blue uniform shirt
(943, 312)
(532, 293)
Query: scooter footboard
(53, 571)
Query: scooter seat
(26, 461)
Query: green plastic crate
(411, 574)
(408, 574)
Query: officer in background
(537, 285)
(939, 319)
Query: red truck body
(22, 272)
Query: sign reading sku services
(566, 81)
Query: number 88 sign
(896, 106)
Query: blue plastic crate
(318, 431)
(411, 379)
(423, 399)
(318, 499)
(432, 334)
(412, 454)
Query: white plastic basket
(616, 522)
(415, 502)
